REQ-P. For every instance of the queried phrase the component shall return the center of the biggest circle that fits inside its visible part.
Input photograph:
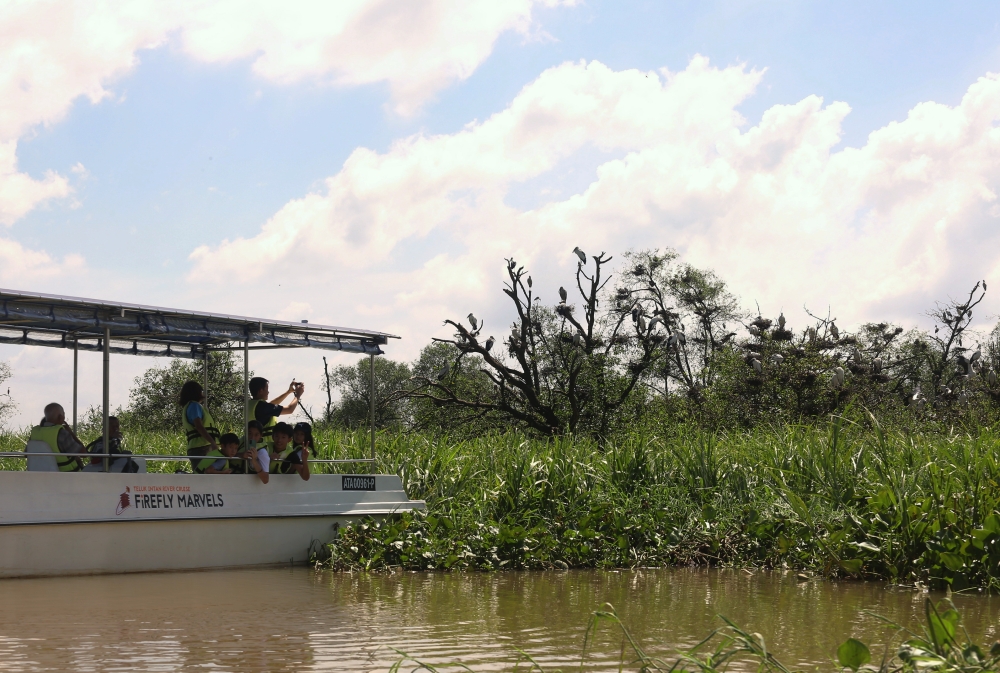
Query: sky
(371, 164)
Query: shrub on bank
(839, 500)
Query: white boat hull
(73, 524)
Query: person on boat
(267, 413)
(56, 432)
(287, 459)
(255, 453)
(199, 426)
(302, 436)
(116, 464)
(216, 461)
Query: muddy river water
(295, 619)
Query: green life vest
(267, 435)
(194, 439)
(207, 461)
(281, 465)
(50, 435)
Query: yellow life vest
(50, 435)
(206, 462)
(281, 465)
(266, 436)
(194, 439)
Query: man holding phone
(267, 413)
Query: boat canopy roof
(67, 322)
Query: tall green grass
(838, 499)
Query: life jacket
(194, 439)
(281, 465)
(50, 435)
(206, 462)
(268, 432)
(238, 464)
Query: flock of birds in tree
(967, 366)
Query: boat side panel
(56, 497)
(150, 546)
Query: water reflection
(297, 619)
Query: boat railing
(169, 457)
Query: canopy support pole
(246, 392)
(371, 399)
(76, 378)
(205, 387)
(107, 393)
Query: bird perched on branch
(641, 323)
(578, 340)
(757, 367)
(777, 358)
(529, 281)
(781, 321)
(754, 330)
(563, 295)
(489, 344)
(444, 371)
(834, 332)
(473, 322)
(877, 365)
(811, 333)
(838, 376)
(581, 254)
(635, 314)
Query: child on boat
(302, 436)
(216, 461)
(255, 455)
(287, 458)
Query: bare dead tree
(561, 371)
(946, 357)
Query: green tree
(466, 380)
(153, 400)
(353, 407)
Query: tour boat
(74, 523)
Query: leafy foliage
(837, 499)
(353, 408)
(153, 400)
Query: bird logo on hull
(124, 502)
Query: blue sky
(189, 153)
(195, 143)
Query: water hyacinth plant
(838, 500)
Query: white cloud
(783, 214)
(19, 192)
(52, 53)
(20, 266)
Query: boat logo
(123, 502)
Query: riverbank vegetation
(849, 498)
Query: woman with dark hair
(199, 426)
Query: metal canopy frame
(35, 319)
